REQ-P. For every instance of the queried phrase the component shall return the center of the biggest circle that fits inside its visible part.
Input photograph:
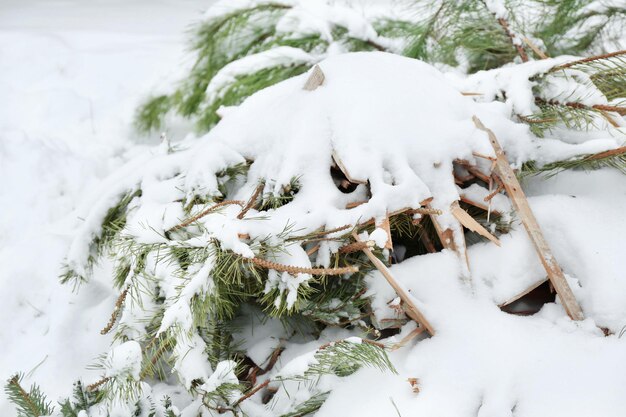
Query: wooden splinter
(315, 79)
(411, 309)
(521, 206)
(469, 222)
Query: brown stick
(589, 59)
(293, 270)
(541, 54)
(116, 312)
(520, 49)
(97, 384)
(416, 332)
(412, 310)
(607, 154)
(520, 203)
(355, 247)
(428, 243)
(252, 201)
(252, 392)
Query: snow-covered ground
(71, 75)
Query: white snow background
(71, 75)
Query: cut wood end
(339, 164)
(316, 79)
(469, 222)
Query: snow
(73, 75)
(124, 360)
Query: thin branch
(252, 201)
(116, 312)
(293, 270)
(589, 59)
(204, 213)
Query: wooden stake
(316, 79)
(412, 311)
(520, 203)
(469, 222)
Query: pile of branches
(185, 289)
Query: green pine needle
(32, 403)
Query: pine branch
(31, 403)
(615, 158)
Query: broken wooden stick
(448, 241)
(470, 223)
(316, 79)
(416, 332)
(521, 206)
(523, 293)
(411, 309)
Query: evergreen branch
(344, 357)
(579, 106)
(29, 404)
(512, 37)
(309, 406)
(615, 158)
(587, 60)
(83, 400)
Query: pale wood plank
(520, 203)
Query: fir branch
(615, 158)
(32, 403)
(82, 400)
(344, 357)
(309, 406)
(587, 60)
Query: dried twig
(204, 213)
(98, 384)
(293, 270)
(252, 201)
(406, 339)
(116, 312)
